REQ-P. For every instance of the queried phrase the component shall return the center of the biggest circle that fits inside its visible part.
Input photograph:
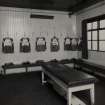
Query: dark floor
(26, 89)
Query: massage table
(69, 80)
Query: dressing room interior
(52, 52)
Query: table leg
(26, 69)
(43, 78)
(4, 72)
(69, 97)
(92, 95)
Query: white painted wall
(16, 23)
(96, 10)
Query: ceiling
(60, 5)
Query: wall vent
(41, 16)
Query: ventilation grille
(41, 16)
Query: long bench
(79, 64)
(69, 80)
(89, 67)
(86, 66)
(25, 65)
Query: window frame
(92, 20)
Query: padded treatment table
(69, 79)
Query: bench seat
(89, 67)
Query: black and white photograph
(52, 52)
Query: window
(95, 31)
(92, 35)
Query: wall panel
(17, 24)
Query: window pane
(102, 23)
(102, 45)
(94, 35)
(89, 45)
(94, 25)
(89, 26)
(94, 45)
(89, 35)
(102, 35)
